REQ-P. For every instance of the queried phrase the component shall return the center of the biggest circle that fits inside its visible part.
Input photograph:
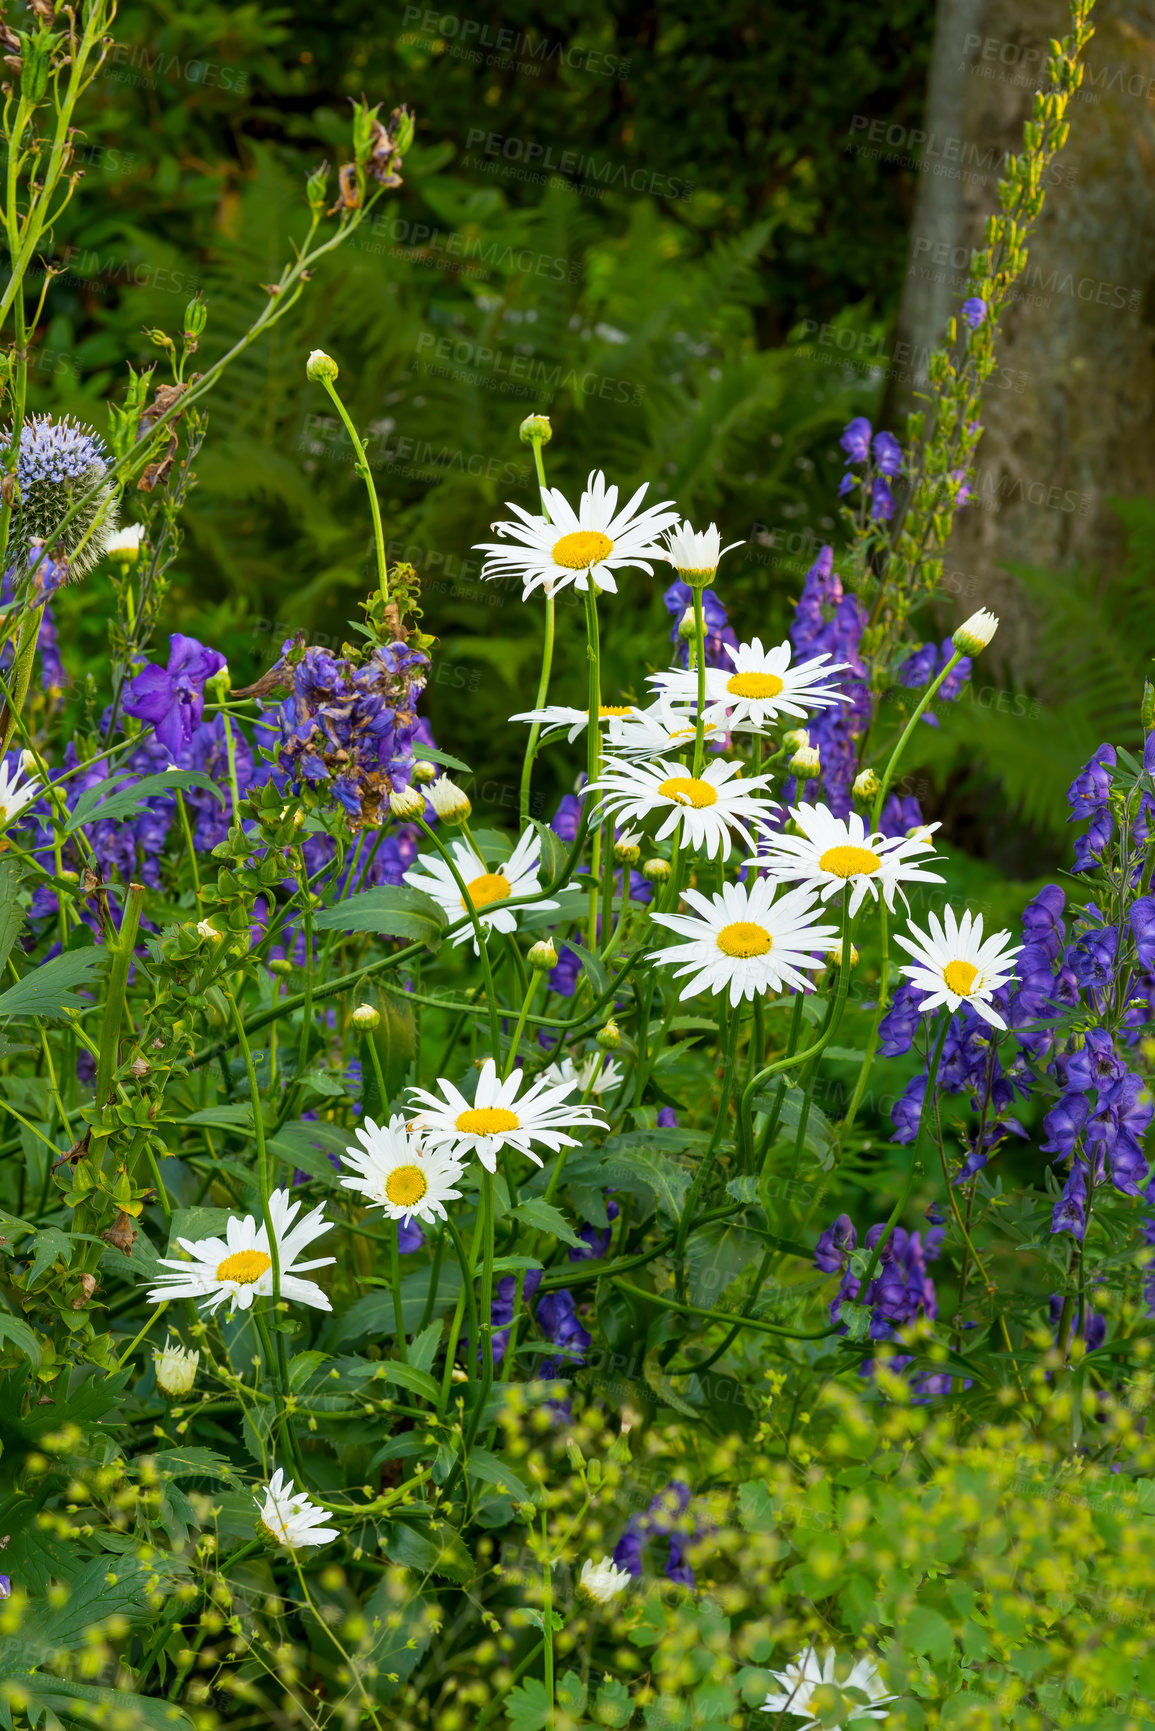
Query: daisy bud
(609, 1038)
(601, 1582)
(626, 850)
(795, 739)
(1147, 707)
(535, 427)
(973, 635)
(866, 786)
(424, 773)
(451, 805)
(175, 1369)
(407, 803)
(280, 965)
(365, 1016)
(687, 626)
(656, 871)
(543, 956)
(125, 544)
(805, 764)
(28, 762)
(320, 366)
(206, 929)
(835, 955)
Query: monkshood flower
(695, 553)
(596, 1240)
(705, 808)
(486, 889)
(719, 632)
(833, 852)
(826, 1700)
(827, 621)
(744, 941)
(581, 546)
(556, 717)
(855, 439)
(661, 1520)
(502, 1309)
(558, 1320)
(602, 1582)
(498, 1118)
(974, 311)
(290, 1519)
(396, 1173)
(954, 965)
(887, 454)
(172, 699)
(58, 462)
(900, 1289)
(926, 664)
(16, 793)
(238, 1267)
(759, 686)
(881, 500)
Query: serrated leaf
(436, 1550)
(50, 1243)
(127, 801)
(192, 1462)
(491, 1471)
(11, 913)
(528, 1707)
(434, 754)
(51, 989)
(544, 1217)
(416, 1381)
(393, 910)
(15, 1329)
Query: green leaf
(668, 1182)
(544, 1217)
(553, 852)
(613, 1706)
(222, 1118)
(84, 1704)
(417, 1381)
(187, 1463)
(925, 1631)
(11, 913)
(127, 801)
(15, 1329)
(436, 1550)
(492, 1471)
(50, 1243)
(433, 754)
(529, 1707)
(571, 1693)
(307, 1143)
(393, 910)
(51, 989)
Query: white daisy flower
(833, 851)
(744, 941)
(597, 1071)
(498, 1119)
(706, 807)
(556, 716)
(14, 793)
(486, 889)
(809, 1688)
(238, 1267)
(573, 546)
(761, 686)
(659, 730)
(396, 1173)
(696, 552)
(955, 966)
(125, 542)
(289, 1517)
(601, 1582)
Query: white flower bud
(206, 929)
(424, 773)
(687, 627)
(125, 543)
(656, 870)
(601, 1582)
(451, 805)
(795, 738)
(805, 764)
(175, 1368)
(320, 366)
(365, 1016)
(975, 633)
(609, 1038)
(835, 955)
(866, 786)
(407, 803)
(543, 956)
(626, 849)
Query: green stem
(546, 655)
(924, 700)
(706, 1165)
(478, 935)
(366, 474)
(908, 1186)
(593, 744)
(700, 667)
(395, 1283)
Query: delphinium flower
(569, 546)
(925, 664)
(398, 1174)
(238, 1267)
(954, 965)
(290, 1519)
(828, 621)
(678, 599)
(486, 889)
(814, 1691)
(58, 462)
(500, 1116)
(596, 1240)
(665, 1518)
(746, 940)
(860, 449)
(758, 686)
(1088, 797)
(705, 808)
(558, 1320)
(833, 852)
(172, 699)
(502, 1309)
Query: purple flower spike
(172, 698)
(974, 312)
(887, 454)
(881, 500)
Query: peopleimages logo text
(474, 33)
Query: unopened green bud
(626, 850)
(609, 1038)
(366, 1017)
(866, 786)
(196, 317)
(321, 366)
(805, 764)
(535, 427)
(317, 187)
(424, 773)
(219, 685)
(1147, 707)
(687, 625)
(543, 956)
(656, 870)
(280, 965)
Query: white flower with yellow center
(397, 1173)
(760, 686)
(497, 1118)
(704, 807)
(597, 1073)
(694, 553)
(744, 942)
(659, 730)
(814, 1691)
(955, 966)
(601, 1582)
(238, 1267)
(15, 794)
(290, 1519)
(572, 546)
(486, 889)
(834, 851)
(556, 716)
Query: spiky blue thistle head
(58, 463)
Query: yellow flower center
(961, 977)
(608, 709)
(577, 552)
(487, 1121)
(754, 685)
(279, 1538)
(690, 732)
(489, 887)
(744, 938)
(244, 1266)
(686, 790)
(406, 1185)
(849, 862)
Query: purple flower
(974, 311)
(1089, 791)
(719, 631)
(887, 454)
(956, 678)
(172, 698)
(1096, 1064)
(5, 1587)
(1117, 1125)
(409, 1237)
(835, 1245)
(855, 440)
(1143, 929)
(898, 1027)
(918, 669)
(959, 477)
(1070, 1211)
(881, 499)
(907, 1110)
(567, 817)
(501, 1310)
(1092, 959)
(847, 484)
(558, 1321)
(667, 1118)
(1094, 1327)
(1064, 1124)
(1043, 920)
